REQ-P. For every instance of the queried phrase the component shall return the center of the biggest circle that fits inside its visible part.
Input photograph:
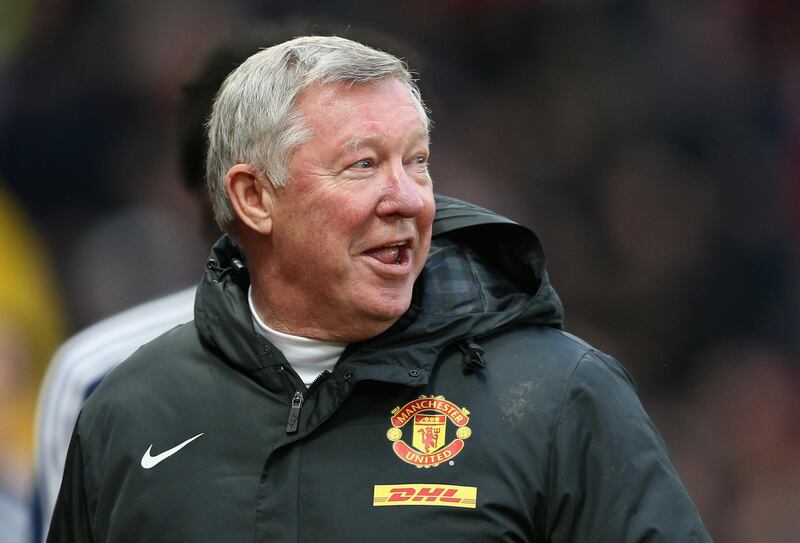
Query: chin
(389, 312)
(383, 311)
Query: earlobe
(251, 197)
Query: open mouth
(396, 254)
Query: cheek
(348, 218)
(354, 217)
(307, 243)
(333, 231)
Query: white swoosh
(151, 461)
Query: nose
(402, 195)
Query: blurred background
(653, 146)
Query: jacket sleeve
(71, 519)
(611, 479)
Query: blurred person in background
(101, 116)
(31, 326)
(312, 336)
(84, 360)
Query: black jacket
(474, 418)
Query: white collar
(308, 357)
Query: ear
(250, 194)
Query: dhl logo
(414, 494)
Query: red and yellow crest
(429, 416)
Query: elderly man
(366, 362)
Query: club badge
(429, 416)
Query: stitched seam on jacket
(556, 428)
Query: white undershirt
(308, 357)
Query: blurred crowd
(653, 146)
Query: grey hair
(254, 120)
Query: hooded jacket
(473, 418)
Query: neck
(293, 314)
(285, 304)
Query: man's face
(352, 229)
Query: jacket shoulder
(76, 369)
(530, 372)
(546, 352)
(152, 367)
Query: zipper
(297, 402)
(294, 413)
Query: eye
(363, 163)
(421, 159)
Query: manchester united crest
(424, 423)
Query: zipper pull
(294, 413)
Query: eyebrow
(355, 143)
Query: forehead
(353, 111)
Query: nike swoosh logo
(152, 461)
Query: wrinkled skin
(351, 231)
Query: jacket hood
(484, 273)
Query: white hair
(254, 120)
